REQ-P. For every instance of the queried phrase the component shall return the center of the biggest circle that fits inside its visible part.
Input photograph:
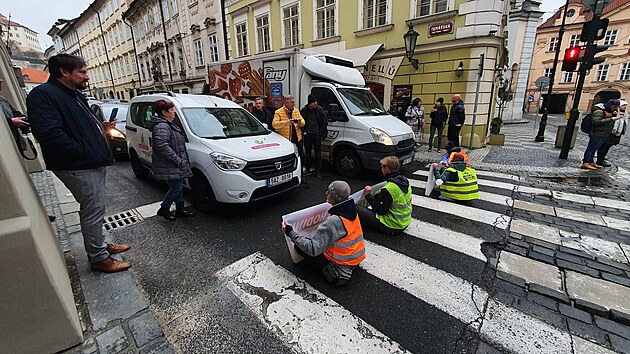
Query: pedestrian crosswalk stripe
(304, 318)
(501, 185)
(455, 296)
(463, 211)
(456, 241)
(487, 197)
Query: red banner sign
(441, 29)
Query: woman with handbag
(169, 159)
(415, 119)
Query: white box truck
(360, 131)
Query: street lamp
(410, 46)
(182, 75)
(460, 69)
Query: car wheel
(347, 163)
(203, 195)
(136, 165)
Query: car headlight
(227, 162)
(381, 137)
(116, 134)
(296, 151)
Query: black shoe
(52, 218)
(181, 212)
(307, 172)
(318, 174)
(605, 164)
(166, 214)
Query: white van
(360, 131)
(234, 158)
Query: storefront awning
(359, 56)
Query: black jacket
(70, 135)
(439, 116)
(169, 160)
(458, 114)
(383, 201)
(316, 121)
(264, 116)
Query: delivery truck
(360, 131)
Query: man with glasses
(391, 208)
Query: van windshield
(361, 102)
(222, 123)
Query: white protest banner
(306, 221)
(430, 182)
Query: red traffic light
(571, 58)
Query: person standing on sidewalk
(262, 113)
(395, 110)
(415, 119)
(288, 122)
(75, 148)
(438, 118)
(603, 121)
(457, 118)
(169, 159)
(314, 131)
(619, 129)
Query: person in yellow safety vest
(337, 245)
(391, 208)
(459, 180)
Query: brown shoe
(597, 166)
(588, 166)
(110, 265)
(113, 249)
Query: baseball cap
(339, 190)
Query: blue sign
(530, 98)
(275, 91)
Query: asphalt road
(174, 264)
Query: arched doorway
(606, 95)
(111, 95)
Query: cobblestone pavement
(113, 314)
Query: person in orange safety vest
(337, 245)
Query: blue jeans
(175, 193)
(594, 143)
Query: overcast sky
(39, 15)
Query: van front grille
(264, 169)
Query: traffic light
(594, 30)
(589, 56)
(571, 59)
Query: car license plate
(274, 181)
(406, 161)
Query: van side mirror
(335, 115)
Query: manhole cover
(120, 220)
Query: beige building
(19, 36)
(175, 40)
(611, 79)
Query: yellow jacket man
(287, 121)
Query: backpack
(587, 124)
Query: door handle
(150, 141)
(133, 129)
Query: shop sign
(382, 68)
(441, 29)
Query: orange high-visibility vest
(349, 250)
(450, 158)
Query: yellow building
(611, 79)
(452, 34)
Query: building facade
(611, 79)
(453, 34)
(175, 40)
(19, 37)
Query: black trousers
(603, 151)
(369, 221)
(300, 147)
(313, 141)
(440, 131)
(453, 134)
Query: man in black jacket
(262, 113)
(75, 148)
(438, 118)
(456, 120)
(314, 131)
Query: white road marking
(456, 241)
(488, 197)
(618, 204)
(301, 316)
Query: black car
(117, 136)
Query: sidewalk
(113, 313)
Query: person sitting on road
(447, 157)
(459, 180)
(337, 245)
(391, 208)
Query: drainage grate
(121, 220)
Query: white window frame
(624, 71)
(213, 46)
(191, 2)
(611, 37)
(335, 27)
(242, 42)
(198, 49)
(601, 74)
(547, 72)
(285, 41)
(552, 44)
(174, 7)
(574, 41)
(567, 77)
(156, 16)
(415, 5)
(165, 6)
(147, 23)
(388, 14)
(261, 44)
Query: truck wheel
(136, 165)
(347, 163)
(203, 195)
